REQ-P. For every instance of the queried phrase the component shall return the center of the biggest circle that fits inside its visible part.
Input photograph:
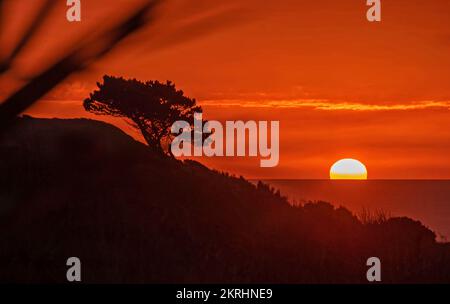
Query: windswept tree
(151, 107)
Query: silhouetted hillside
(84, 188)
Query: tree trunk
(151, 143)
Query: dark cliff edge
(84, 188)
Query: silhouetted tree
(151, 107)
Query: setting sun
(348, 168)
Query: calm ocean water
(425, 200)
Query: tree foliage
(151, 107)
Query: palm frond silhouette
(77, 59)
(30, 31)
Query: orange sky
(340, 86)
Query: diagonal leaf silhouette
(76, 60)
(31, 29)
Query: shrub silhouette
(151, 107)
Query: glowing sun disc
(348, 168)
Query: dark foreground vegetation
(84, 188)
